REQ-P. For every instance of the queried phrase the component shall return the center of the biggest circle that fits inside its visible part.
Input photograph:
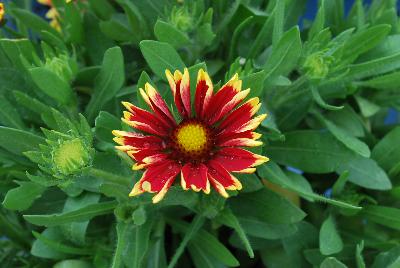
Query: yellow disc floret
(192, 138)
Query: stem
(196, 224)
(121, 243)
(107, 176)
(293, 95)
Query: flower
(204, 146)
(2, 12)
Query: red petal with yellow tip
(204, 91)
(156, 103)
(218, 173)
(138, 141)
(238, 160)
(194, 176)
(157, 178)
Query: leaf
(23, 196)
(320, 101)
(255, 82)
(208, 243)
(60, 247)
(347, 139)
(387, 216)
(115, 30)
(168, 33)
(332, 262)
(79, 215)
(309, 150)
(105, 123)
(72, 264)
(122, 231)
(367, 107)
(274, 174)
(76, 231)
(267, 206)
(18, 141)
(366, 173)
(52, 85)
(383, 82)
(359, 257)
(44, 250)
(194, 227)
(329, 238)
(229, 219)
(108, 82)
(9, 115)
(32, 21)
(286, 51)
(161, 56)
(138, 238)
(363, 41)
(387, 151)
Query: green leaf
(52, 85)
(347, 139)
(319, 21)
(194, 227)
(286, 51)
(138, 239)
(332, 262)
(208, 243)
(161, 56)
(274, 174)
(321, 102)
(267, 206)
(367, 107)
(387, 151)
(309, 150)
(108, 82)
(32, 21)
(384, 82)
(329, 238)
(79, 215)
(23, 196)
(76, 231)
(363, 41)
(115, 30)
(387, 216)
(60, 247)
(255, 82)
(73, 264)
(229, 219)
(105, 123)
(44, 250)
(359, 257)
(122, 240)
(168, 33)
(18, 141)
(366, 173)
(9, 115)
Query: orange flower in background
(204, 146)
(2, 12)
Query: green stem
(107, 176)
(196, 224)
(121, 244)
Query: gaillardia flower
(2, 12)
(204, 146)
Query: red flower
(204, 147)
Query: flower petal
(145, 122)
(132, 140)
(221, 179)
(195, 176)
(140, 156)
(204, 91)
(180, 87)
(156, 103)
(247, 138)
(241, 115)
(158, 179)
(239, 160)
(226, 99)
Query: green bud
(181, 18)
(70, 156)
(63, 66)
(317, 65)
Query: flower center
(192, 139)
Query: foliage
(327, 88)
